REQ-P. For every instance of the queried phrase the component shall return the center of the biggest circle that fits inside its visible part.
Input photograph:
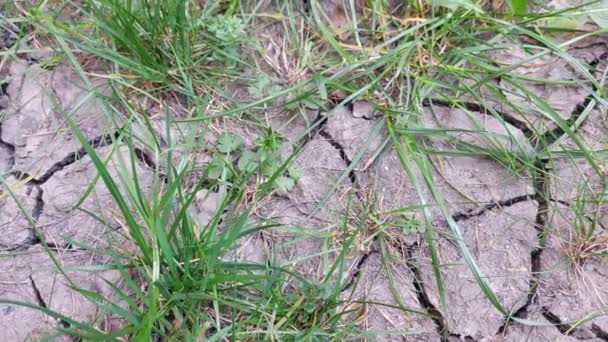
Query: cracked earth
(517, 227)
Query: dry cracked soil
(518, 227)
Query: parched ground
(519, 227)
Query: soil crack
(4, 88)
(39, 300)
(423, 297)
(351, 174)
(570, 330)
(317, 125)
(479, 108)
(554, 134)
(491, 206)
(592, 220)
(42, 303)
(10, 148)
(599, 332)
(147, 160)
(541, 196)
(70, 159)
(357, 270)
(39, 206)
(32, 238)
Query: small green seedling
(224, 35)
(262, 87)
(263, 160)
(224, 31)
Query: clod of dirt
(61, 192)
(19, 323)
(32, 278)
(500, 242)
(16, 230)
(574, 278)
(375, 286)
(35, 123)
(571, 179)
(363, 110)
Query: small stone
(363, 109)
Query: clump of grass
(179, 282)
(587, 238)
(165, 45)
(446, 55)
(581, 250)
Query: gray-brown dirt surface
(518, 226)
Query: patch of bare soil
(48, 172)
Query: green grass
(183, 281)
